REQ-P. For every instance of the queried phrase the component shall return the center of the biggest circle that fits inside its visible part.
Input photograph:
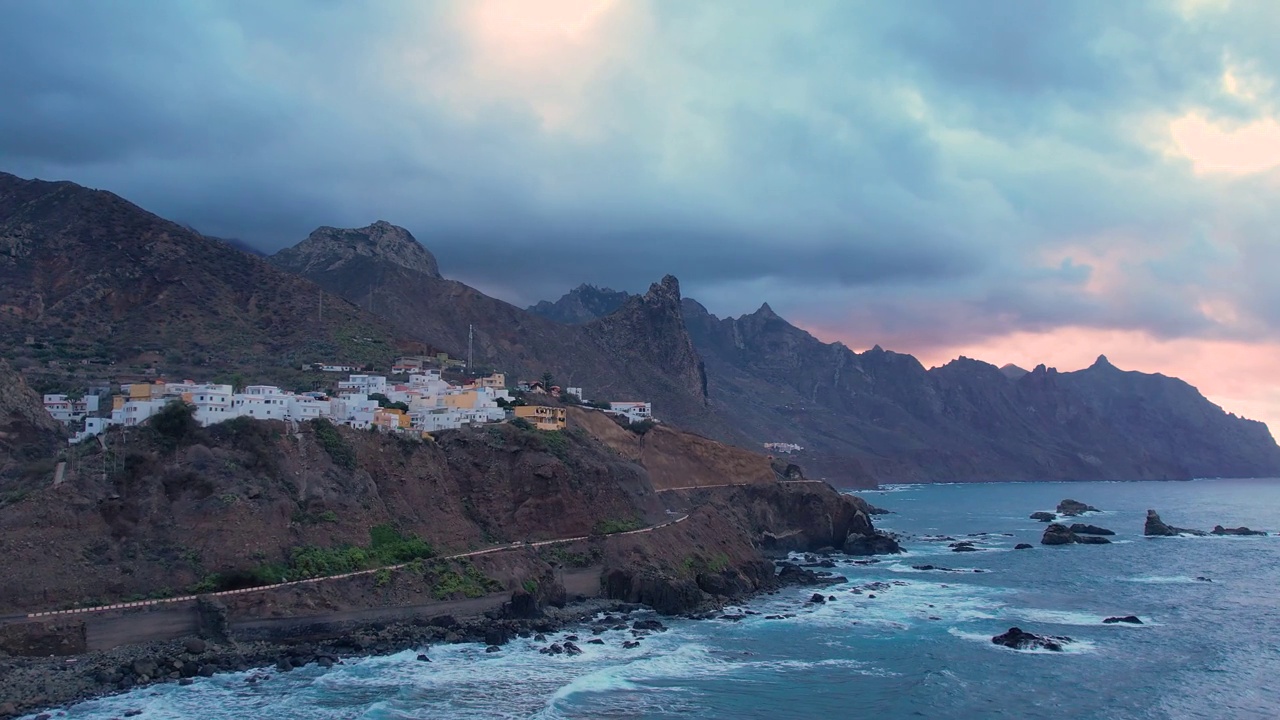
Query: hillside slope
(87, 274)
(247, 502)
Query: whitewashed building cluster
(432, 403)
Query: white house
(261, 402)
(213, 403)
(93, 427)
(363, 384)
(65, 410)
(135, 412)
(303, 407)
(632, 411)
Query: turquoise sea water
(920, 649)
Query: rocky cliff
(329, 249)
(28, 435)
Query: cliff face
(650, 329)
(86, 274)
(27, 433)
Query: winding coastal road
(263, 588)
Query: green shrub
(611, 526)
(175, 424)
(331, 440)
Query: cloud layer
(928, 176)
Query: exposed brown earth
(676, 459)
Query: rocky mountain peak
(652, 326)
(581, 305)
(767, 312)
(1102, 363)
(330, 248)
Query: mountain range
(85, 273)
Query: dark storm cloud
(962, 168)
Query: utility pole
(470, 347)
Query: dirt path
(59, 614)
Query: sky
(1025, 182)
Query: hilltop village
(419, 402)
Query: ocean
(916, 645)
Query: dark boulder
(572, 649)
(493, 649)
(648, 625)
(1219, 530)
(1155, 527)
(1129, 619)
(1018, 639)
(876, 543)
(792, 574)
(818, 598)
(1044, 516)
(523, 606)
(423, 658)
(1092, 540)
(1057, 534)
(1082, 529)
(1022, 546)
(966, 547)
(496, 636)
(195, 646)
(1071, 508)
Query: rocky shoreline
(29, 685)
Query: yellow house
(390, 419)
(496, 380)
(543, 417)
(461, 401)
(139, 391)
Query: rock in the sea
(1022, 546)
(965, 548)
(1129, 619)
(874, 544)
(818, 598)
(648, 625)
(1044, 516)
(1155, 527)
(1082, 529)
(423, 658)
(1018, 639)
(1201, 578)
(1057, 534)
(1219, 530)
(1071, 508)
